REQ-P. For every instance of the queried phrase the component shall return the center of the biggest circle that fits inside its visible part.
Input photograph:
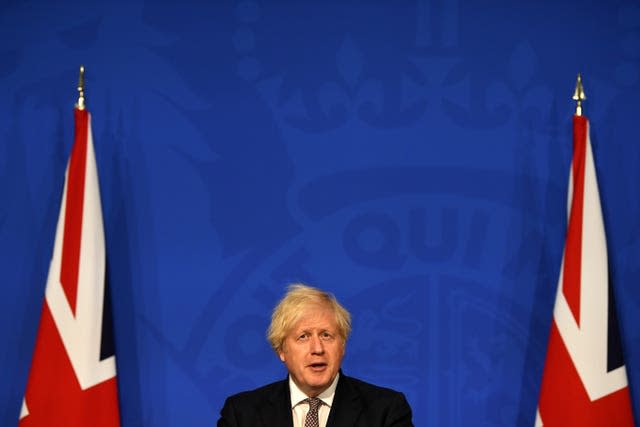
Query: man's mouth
(317, 367)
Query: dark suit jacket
(356, 404)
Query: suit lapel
(347, 405)
(277, 410)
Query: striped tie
(312, 415)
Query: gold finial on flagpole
(579, 96)
(80, 104)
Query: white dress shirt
(300, 408)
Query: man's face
(313, 350)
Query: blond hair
(292, 306)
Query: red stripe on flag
(564, 400)
(573, 248)
(73, 210)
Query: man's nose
(316, 345)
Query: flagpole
(80, 103)
(578, 95)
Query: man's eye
(325, 336)
(303, 337)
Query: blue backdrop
(409, 156)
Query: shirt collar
(326, 396)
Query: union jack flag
(72, 381)
(584, 381)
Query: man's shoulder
(370, 404)
(266, 405)
(369, 390)
(260, 393)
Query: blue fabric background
(409, 156)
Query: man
(308, 331)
